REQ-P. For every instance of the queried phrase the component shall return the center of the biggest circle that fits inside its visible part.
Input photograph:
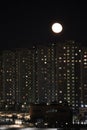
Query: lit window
(64, 98)
(26, 82)
(85, 59)
(44, 55)
(45, 59)
(68, 60)
(76, 54)
(67, 54)
(72, 57)
(79, 50)
(60, 67)
(60, 58)
(45, 78)
(64, 47)
(85, 55)
(85, 63)
(23, 61)
(82, 105)
(64, 60)
(85, 105)
(68, 98)
(60, 101)
(72, 60)
(76, 60)
(10, 80)
(68, 70)
(69, 102)
(60, 91)
(73, 105)
(72, 64)
(45, 62)
(85, 85)
(73, 77)
(68, 85)
(68, 50)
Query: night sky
(24, 24)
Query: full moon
(57, 27)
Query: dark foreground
(20, 127)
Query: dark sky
(24, 24)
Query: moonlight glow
(57, 27)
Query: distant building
(8, 78)
(17, 78)
(59, 73)
(68, 73)
(83, 83)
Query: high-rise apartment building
(17, 78)
(8, 78)
(45, 74)
(68, 57)
(83, 88)
(26, 75)
(59, 73)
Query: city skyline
(44, 74)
